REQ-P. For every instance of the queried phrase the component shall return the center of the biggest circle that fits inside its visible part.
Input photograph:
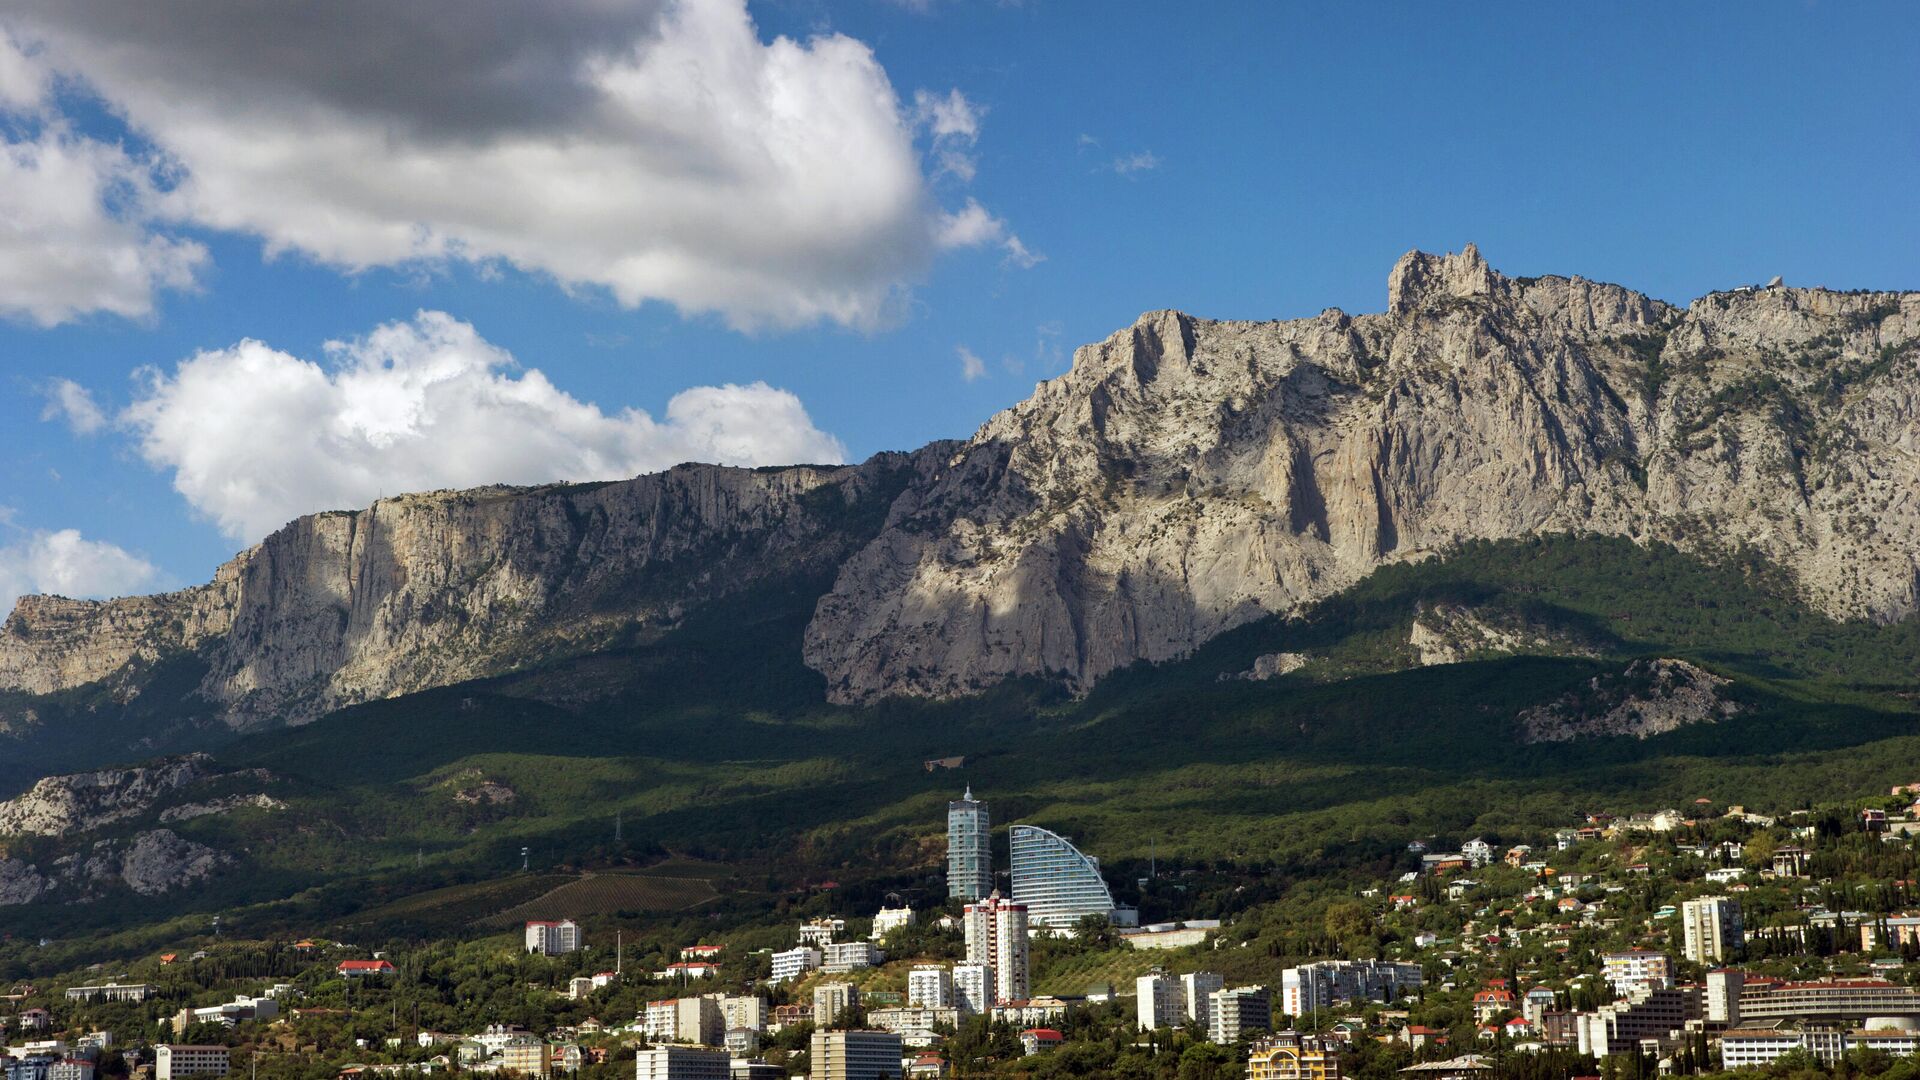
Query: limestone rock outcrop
(425, 590)
(224, 805)
(81, 802)
(1185, 477)
(149, 863)
(1648, 698)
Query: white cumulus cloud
(972, 368)
(68, 400)
(657, 149)
(953, 123)
(255, 436)
(973, 226)
(76, 231)
(66, 563)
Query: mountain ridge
(1188, 475)
(1185, 477)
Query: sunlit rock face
(1185, 477)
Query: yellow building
(1290, 1056)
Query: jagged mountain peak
(1419, 279)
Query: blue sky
(1231, 160)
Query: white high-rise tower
(969, 853)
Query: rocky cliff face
(425, 590)
(1188, 476)
(149, 863)
(1185, 477)
(81, 802)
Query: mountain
(1185, 478)
(1189, 476)
(430, 589)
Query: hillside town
(1660, 942)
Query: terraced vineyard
(459, 904)
(1071, 976)
(670, 887)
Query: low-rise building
(71, 1068)
(682, 1063)
(227, 1013)
(844, 956)
(110, 992)
(177, 1061)
(785, 1016)
(1039, 1039)
(690, 969)
(1292, 1056)
(361, 969)
(794, 964)
(821, 932)
(1042, 1011)
(1757, 1048)
(890, 919)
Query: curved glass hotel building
(1058, 885)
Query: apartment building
(1711, 929)
(930, 986)
(175, 1062)
(855, 1055)
(1157, 1002)
(1239, 1012)
(794, 963)
(996, 933)
(682, 1063)
(1636, 967)
(553, 938)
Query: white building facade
(1058, 884)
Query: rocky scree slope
(1185, 477)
